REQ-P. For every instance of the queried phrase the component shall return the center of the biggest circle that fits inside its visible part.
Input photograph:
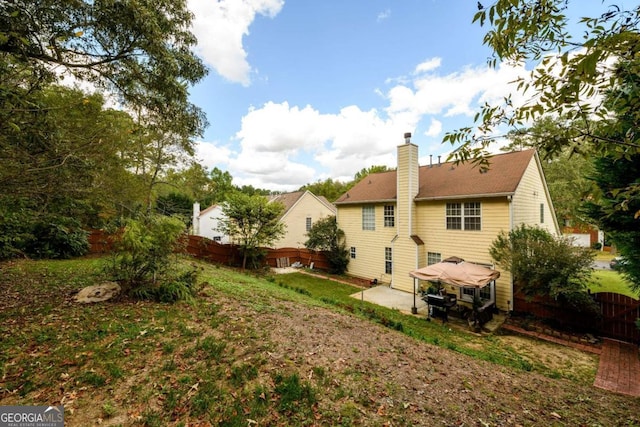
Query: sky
(300, 91)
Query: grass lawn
(611, 281)
(282, 350)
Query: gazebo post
(414, 309)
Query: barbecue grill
(439, 305)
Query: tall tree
(328, 188)
(617, 214)
(362, 173)
(570, 73)
(139, 50)
(252, 222)
(618, 210)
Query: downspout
(510, 199)
(393, 257)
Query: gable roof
(289, 200)
(447, 181)
(207, 210)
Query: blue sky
(301, 91)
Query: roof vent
(407, 137)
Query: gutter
(465, 196)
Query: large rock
(98, 293)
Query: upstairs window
(464, 216)
(368, 217)
(541, 213)
(389, 217)
(308, 224)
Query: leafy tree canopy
(326, 236)
(328, 188)
(252, 222)
(570, 78)
(139, 50)
(364, 172)
(621, 225)
(617, 212)
(542, 264)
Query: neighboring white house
(302, 210)
(205, 223)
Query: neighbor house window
(368, 217)
(541, 213)
(388, 261)
(308, 223)
(433, 258)
(464, 216)
(353, 252)
(389, 217)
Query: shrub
(49, 237)
(145, 261)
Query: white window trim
(462, 216)
(373, 217)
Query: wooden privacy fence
(618, 314)
(212, 251)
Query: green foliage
(327, 237)
(145, 263)
(252, 222)
(52, 236)
(140, 50)
(57, 238)
(617, 175)
(328, 188)
(617, 213)
(364, 172)
(542, 264)
(570, 72)
(175, 204)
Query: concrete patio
(404, 301)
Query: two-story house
(402, 220)
(301, 210)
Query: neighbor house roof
(290, 199)
(287, 199)
(447, 180)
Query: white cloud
(211, 154)
(428, 65)
(383, 15)
(220, 27)
(434, 128)
(283, 147)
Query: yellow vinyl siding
(527, 199)
(369, 262)
(295, 220)
(472, 246)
